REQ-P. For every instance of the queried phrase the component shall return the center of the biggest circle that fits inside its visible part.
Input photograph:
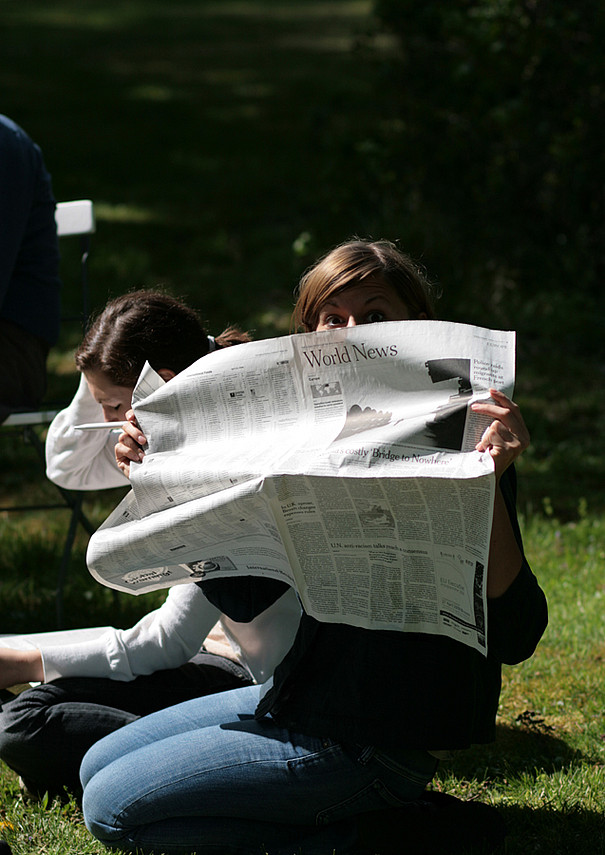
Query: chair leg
(75, 518)
(73, 501)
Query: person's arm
(517, 618)
(16, 181)
(505, 555)
(505, 439)
(77, 459)
(165, 638)
(29, 250)
(517, 609)
(20, 666)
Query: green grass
(224, 145)
(546, 770)
(51, 829)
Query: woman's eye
(333, 321)
(375, 317)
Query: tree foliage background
(226, 145)
(489, 154)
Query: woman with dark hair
(147, 326)
(91, 688)
(336, 754)
(137, 327)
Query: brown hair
(147, 326)
(354, 262)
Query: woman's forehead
(103, 385)
(362, 292)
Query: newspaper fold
(342, 462)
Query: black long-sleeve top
(387, 688)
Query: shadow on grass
(556, 832)
(528, 748)
(529, 752)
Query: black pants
(46, 730)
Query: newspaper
(342, 462)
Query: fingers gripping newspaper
(342, 462)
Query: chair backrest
(78, 218)
(75, 218)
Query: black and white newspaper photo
(342, 462)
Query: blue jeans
(206, 777)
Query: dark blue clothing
(394, 690)
(29, 254)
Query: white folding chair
(78, 218)
(73, 219)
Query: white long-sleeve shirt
(170, 635)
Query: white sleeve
(165, 638)
(81, 459)
(169, 636)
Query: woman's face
(362, 304)
(115, 400)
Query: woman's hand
(20, 666)
(507, 437)
(129, 447)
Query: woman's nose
(351, 322)
(110, 415)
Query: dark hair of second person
(150, 326)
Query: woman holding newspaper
(91, 688)
(336, 754)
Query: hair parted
(354, 262)
(146, 325)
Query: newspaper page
(342, 462)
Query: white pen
(99, 426)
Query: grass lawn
(216, 140)
(545, 772)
